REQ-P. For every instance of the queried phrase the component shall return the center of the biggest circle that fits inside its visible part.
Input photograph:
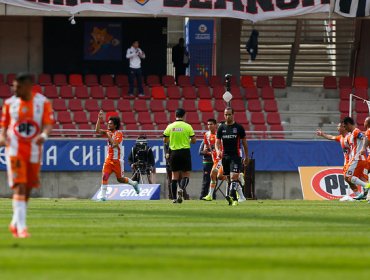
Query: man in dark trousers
(135, 55)
(207, 167)
(180, 58)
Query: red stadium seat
(361, 82)
(162, 126)
(234, 81)
(44, 80)
(220, 105)
(146, 93)
(65, 92)
(218, 92)
(112, 92)
(96, 92)
(197, 126)
(360, 119)
(160, 118)
(345, 82)
(192, 117)
(153, 80)
(36, 89)
(59, 105)
(91, 80)
(68, 126)
(270, 106)
(128, 118)
(200, 81)
(240, 117)
(236, 92)
(188, 92)
(330, 82)
(251, 93)
(361, 107)
(149, 127)
(121, 80)
(64, 117)
(184, 81)
(215, 81)
(80, 117)
(173, 92)
(81, 92)
(361, 92)
(273, 118)
(277, 135)
(108, 105)
(257, 118)
(261, 128)
(247, 82)
(1, 79)
(172, 105)
(344, 106)
(239, 106)
(75, 105)
(93, 117)
(206, 116)
(106, 80)
(204, 92)
(144, 117)
(5, 91)
(267, 93)
(263, 81)
(156, 106)
(86, 126)
(131, 126)
(75, 80)
(254, 105)
(51, 92)
(10, 78)
(140, 106)
(158, 92)
(124, 105)
(205, 105)
(60, 80)
(344, 93)
(189, 105)
(278, 82)
(168, 81)
(91, 105)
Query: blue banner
(199, 39)
(89, 155)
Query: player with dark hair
(179, 135)
(27, 120)
(114, 161)
(229, 136)
(356, 170)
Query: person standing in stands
(135, 55)
(180, 59)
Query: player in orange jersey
(217, 170)
(114, 162)
(367, 142)
(27, 120)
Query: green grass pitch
(81, 239)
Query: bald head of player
(367, 123)
(229, 116)
(22, 86)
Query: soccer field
(81, 239)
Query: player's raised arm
(320, 133)
(97, 126)
(4, 125)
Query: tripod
(143, 175)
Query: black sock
(233, 187)
(174, 189)
(184, 183)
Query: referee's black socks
(184, 183)
(174, 188)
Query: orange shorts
(23, 172)
(113, 166)
(357, 168)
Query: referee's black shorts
(231, 164)
(180, 160)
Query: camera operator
(141, 159)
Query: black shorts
(231, 164)
(180, 160)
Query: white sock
(21, 212)
(357, 181)
(240, 192)
(211, 190)
(14, 218)
(130, 182)
(357, 193)
(104, 191)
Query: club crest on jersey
(24, 110)
(26, 129)
(142, 2)
(235, 130)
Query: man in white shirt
(135, 55)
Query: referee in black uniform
(230, 134)
(179, 135)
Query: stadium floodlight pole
(350, 104)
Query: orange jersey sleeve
(338, 137)
(367, 134)
(5, 117)
(205, 140)
(48, 117)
